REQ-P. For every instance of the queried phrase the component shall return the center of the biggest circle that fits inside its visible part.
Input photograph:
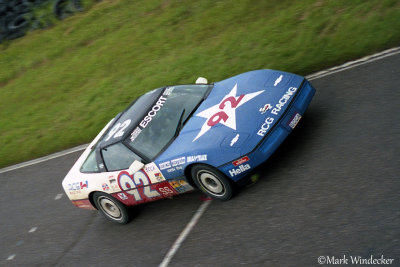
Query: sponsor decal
(284, 99)
(122, 196)
(169, 90)
(235, 139)
(196, 158)
(295, 120)
(181, 186)
(165, 165)
(278, 80)
(265, 126)
(105, 187)
(74, 188)
(113, 183)
(135, 133)
(153, 112)
(275, 111)
(265, 108)
(225, 111)
(150, 168)
(159, 176)
(239, 170)
(166, 191)
(179, 161)
(240, 161)
(84, 185)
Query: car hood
(227, 124)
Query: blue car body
(221, 132)
(257, 133)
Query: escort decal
(153, 112)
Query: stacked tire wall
(17, 17)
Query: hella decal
(239, 170)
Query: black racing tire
(18, 23)
(111, 208)
(213, 182)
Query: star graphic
(225, 111)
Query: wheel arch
(91, 194)
(188, 174)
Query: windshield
(163, 122)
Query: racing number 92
(138, 186)
(217, 117)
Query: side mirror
(135, 166)
(201, 80)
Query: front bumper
(239, 168)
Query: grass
(58, 87)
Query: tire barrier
(18, 16)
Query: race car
(175, 139)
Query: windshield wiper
(180, 123)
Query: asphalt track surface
(331, 189)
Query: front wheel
(111, 208)
(212, 182)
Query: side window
(90, 164)
(118, 157)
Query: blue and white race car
(177, 138)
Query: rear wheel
(111, 208)
(212, 182)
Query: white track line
(355, 63)
(43, 159)
(184, 233)
(345, 66)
